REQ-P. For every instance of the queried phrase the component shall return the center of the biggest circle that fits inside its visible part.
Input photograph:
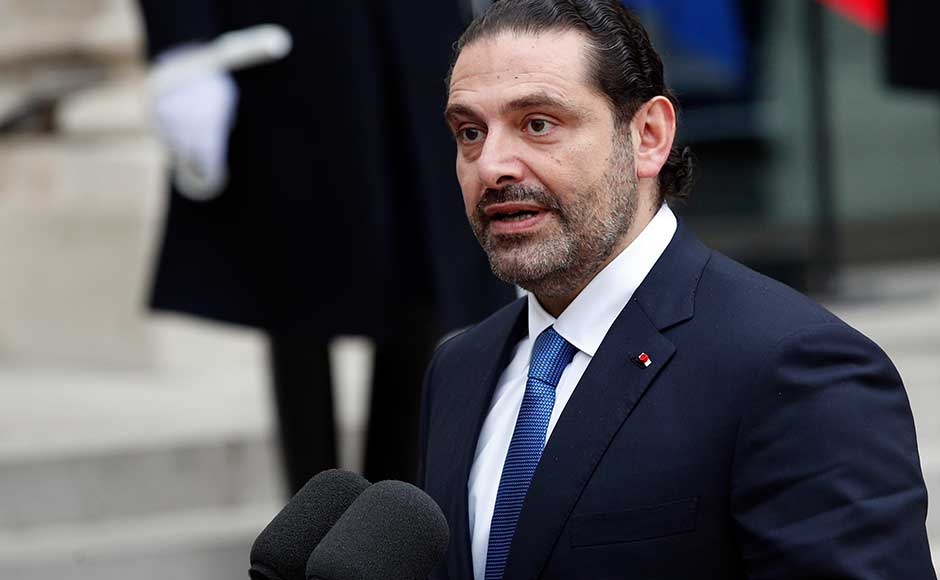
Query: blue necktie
(550, 355)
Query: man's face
(546, 171)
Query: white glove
(194, 120)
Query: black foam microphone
(281, 550)
(393, 530)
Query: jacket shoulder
(733, 292)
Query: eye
(539, 126)
(469, 135)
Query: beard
(564, 255)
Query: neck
(556, 304)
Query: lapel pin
(643, 360)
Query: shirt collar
(588, 318)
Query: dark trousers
(304, 400)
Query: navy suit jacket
(766, 440)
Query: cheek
(469, 185)
(565, 172)
(583, 166)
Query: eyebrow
(533, 101)
(457, 110)
(540, 100)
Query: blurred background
(144, 442)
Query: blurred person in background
(334, 207)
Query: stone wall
(81, 183)
(30, 29)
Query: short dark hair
(624, 64)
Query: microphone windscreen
(281, 550)
(393, 530)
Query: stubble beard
(561, 259)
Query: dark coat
(767, 440)
(343, 209)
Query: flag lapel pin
(642, 360)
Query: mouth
(514, 218)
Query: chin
(530, 270)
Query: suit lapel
(609, 390)
(595, 412)
(491, 347)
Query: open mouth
(514, 216)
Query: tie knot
(550, 355)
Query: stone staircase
(135, 472)
(167, 471)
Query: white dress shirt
(583, 324)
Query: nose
(499, 163)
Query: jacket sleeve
(169, 23)
(827, 480)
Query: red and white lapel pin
(643, 360)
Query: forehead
(509, 64)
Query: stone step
(192, 545)
(140, 482)
(191, 431)
(897, 306)
(106, 445)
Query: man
(336, 218)
(698, 419)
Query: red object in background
(871, 14)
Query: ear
(654, 129)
